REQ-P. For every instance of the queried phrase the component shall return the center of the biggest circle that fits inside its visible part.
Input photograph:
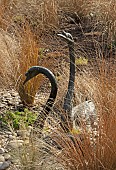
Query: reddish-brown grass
(27, 58)
(89, 150)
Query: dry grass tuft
(17, 56)
(8, 58)
(28, 57)
(95, 149)
(5, 15)
(81, 7)
(50, 14)
(106, 13)
(41, 15)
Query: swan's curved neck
(47, 108)
(68, 98)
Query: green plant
(81, 61)
(18, 119)
(41, 53)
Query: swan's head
(67, 37)
(32, 72)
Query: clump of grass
(19, 55)
(50, 14)
(9, 49)
(28, 57)
(81, 7)
(95, 149)
(5, 14)
(41, 15)
(106, 13)
(8, 46)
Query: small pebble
(11, 137)
(15, 143)
(2, 105)
(7, 156)
(5, 165)
(9, 133)
(2, 158)
(2, 150)
(1, 164)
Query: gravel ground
(13, 144)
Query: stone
(10, 103)
(23, 133)
(14, 94)
(2, 158)
(2, 105)
(15, 143)
(2, 150)
(11, 137)
(15, 161)
(1, 163)
(7, 156)
(85, 112)
(9, 133)
(5, 165)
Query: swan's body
(32, 72)
(86, 110)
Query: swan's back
(84, 112)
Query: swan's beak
(66, 36)
(61, 35)
(27, 78)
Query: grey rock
(14, 94)
(1, 163)
(23, 133)
(2, 105)
(11, 137)
(15, 161)
(7, 156)
(10, 102)
(9, 133)
(2, 150)
(2, 159)
(5, 165)
(84, 112)
(15, 143)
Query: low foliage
(81, 61)
(18, 119)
